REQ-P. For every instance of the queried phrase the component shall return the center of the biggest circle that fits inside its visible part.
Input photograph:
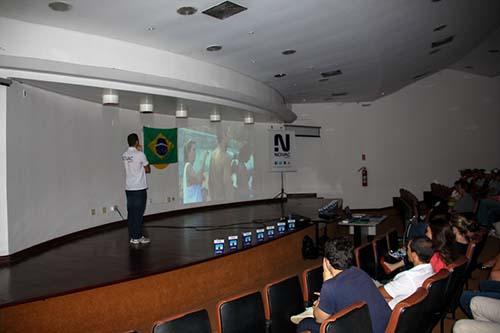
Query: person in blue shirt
(344, 285)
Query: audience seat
(283, 299)
(393, 240)
(433, 304)
(407, 315)
(242, 313)
(355, 318)
(365, 259)
(454, 286)
(381, 249)
(193, 322)
(312, 280)
(410, 199)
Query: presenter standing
(136, 167)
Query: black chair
(355, 318)
(433, 304)
(407, 314)
(393, 240)
(242, 313)
(454, 287)
(312, 280)
(283, 299)
(193, 322)
(365, 259)
(381, 250)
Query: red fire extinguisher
(364, 176)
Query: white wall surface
(424, 132)
(4, 226)
(64, 158)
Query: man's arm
(385, 294)
(319, 315)
(147, 168)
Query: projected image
(215, 164)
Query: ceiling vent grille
(338, 94)
(331, 73)
(224, 10)
(442, 42)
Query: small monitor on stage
(281, 227)
(218, 246)
(270, 231)
(291, 223)
(247, 239)
(259, 235)
(232, 243)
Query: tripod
(282, 194)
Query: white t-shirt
(135, 175)
(406, 283)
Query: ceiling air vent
(331, 73)
(224, 10)
(339, 94)
(416, 77)
(441, 27)
(441, 42)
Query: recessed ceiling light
(323, 80)
(60, 6)
(469, 67)
(251, 33)
(493, 51)
(441, 27)
(151, 28)
(186, 11)
(213, 48)
(288, 52)
(331, 73)
(280, 75)
(252, 61)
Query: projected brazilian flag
(160, 145)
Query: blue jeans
(487, 288)
(308, 324)
(136, 205)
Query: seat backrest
(312, 280)
(392, 240)
(456, 282)
(411, 199)
(441, 191)
(283, 299)
(381, 249)
(407, 315)
(433, 304)
(354, 318)
(192, 322)
(242, 313)
(365, 259)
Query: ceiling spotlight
(146, 104)
(110, 97)
(215, 116)
(213, 48)
(248, 119)
(186, 11)
(59, 6)
(251, 33)
(288, 52)
(181, 111)
(280, 75)
(151, 29)
(323, 80)
(469, 67)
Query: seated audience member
(464, 203)
(486, 313)
(464, 231)
(344, 285)
(487, 288)
(443, 241)
(419, 252)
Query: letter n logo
(278, 141)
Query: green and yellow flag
(160, 145)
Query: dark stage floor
(106, 257)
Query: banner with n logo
(282, 148)
(160, 145)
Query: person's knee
(462, 326)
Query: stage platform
(106, 257)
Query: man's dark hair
(339, 252)
(132, 139)
(422, 246)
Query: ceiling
(379, 46)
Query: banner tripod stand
(282, 194)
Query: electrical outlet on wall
(92, 211)
(104, 210)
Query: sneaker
(134, 241)
(144, 240)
